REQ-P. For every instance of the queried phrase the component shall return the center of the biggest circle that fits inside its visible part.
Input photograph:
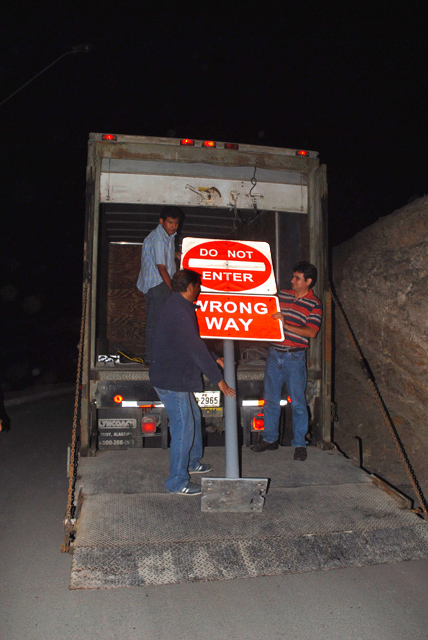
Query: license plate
(206, 399)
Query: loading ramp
(325, 513)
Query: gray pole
(230, 413)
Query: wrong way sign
(230, 265)
(238, 317)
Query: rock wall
(381, 278)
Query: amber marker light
(118, 399)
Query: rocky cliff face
(381, 278)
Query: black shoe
(300, 453)
(263, 446)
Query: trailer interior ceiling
(132, 223)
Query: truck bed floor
(324, 513)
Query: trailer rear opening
(239, 192)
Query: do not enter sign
(230, 265)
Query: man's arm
(164, 275)
(306, 332)
(163, 255)
(222, 385)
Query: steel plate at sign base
(233, 494)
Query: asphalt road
(370, 603)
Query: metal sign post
(231, 414)
(232, 493)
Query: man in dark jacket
(179, 358)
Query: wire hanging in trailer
(125, 356)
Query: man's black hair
(308, 270)
(170, 212)
(181, 280)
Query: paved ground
(369, 603)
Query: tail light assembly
(258, 422)
(148, 425)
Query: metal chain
(253, 181)
(69, 520)
(393, 431)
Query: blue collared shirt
(158, 248)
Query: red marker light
(186, 141)
(118, 399)
(258, 423)
(148, 424)
(109, 136)
(209, 143)
(231, 145)
(301, 152)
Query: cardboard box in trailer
(226, 191)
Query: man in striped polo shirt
(301, 315)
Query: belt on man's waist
(288, 350)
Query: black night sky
(347, 80)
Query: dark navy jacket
(179, 355)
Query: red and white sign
(230, 265)
(238, 317)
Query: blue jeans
(155, 298)
(186, 436)
(288, 367)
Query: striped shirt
(158, 248)
(300, 312)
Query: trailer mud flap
(233, 494)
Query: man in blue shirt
(179, 358)
(157, 268)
